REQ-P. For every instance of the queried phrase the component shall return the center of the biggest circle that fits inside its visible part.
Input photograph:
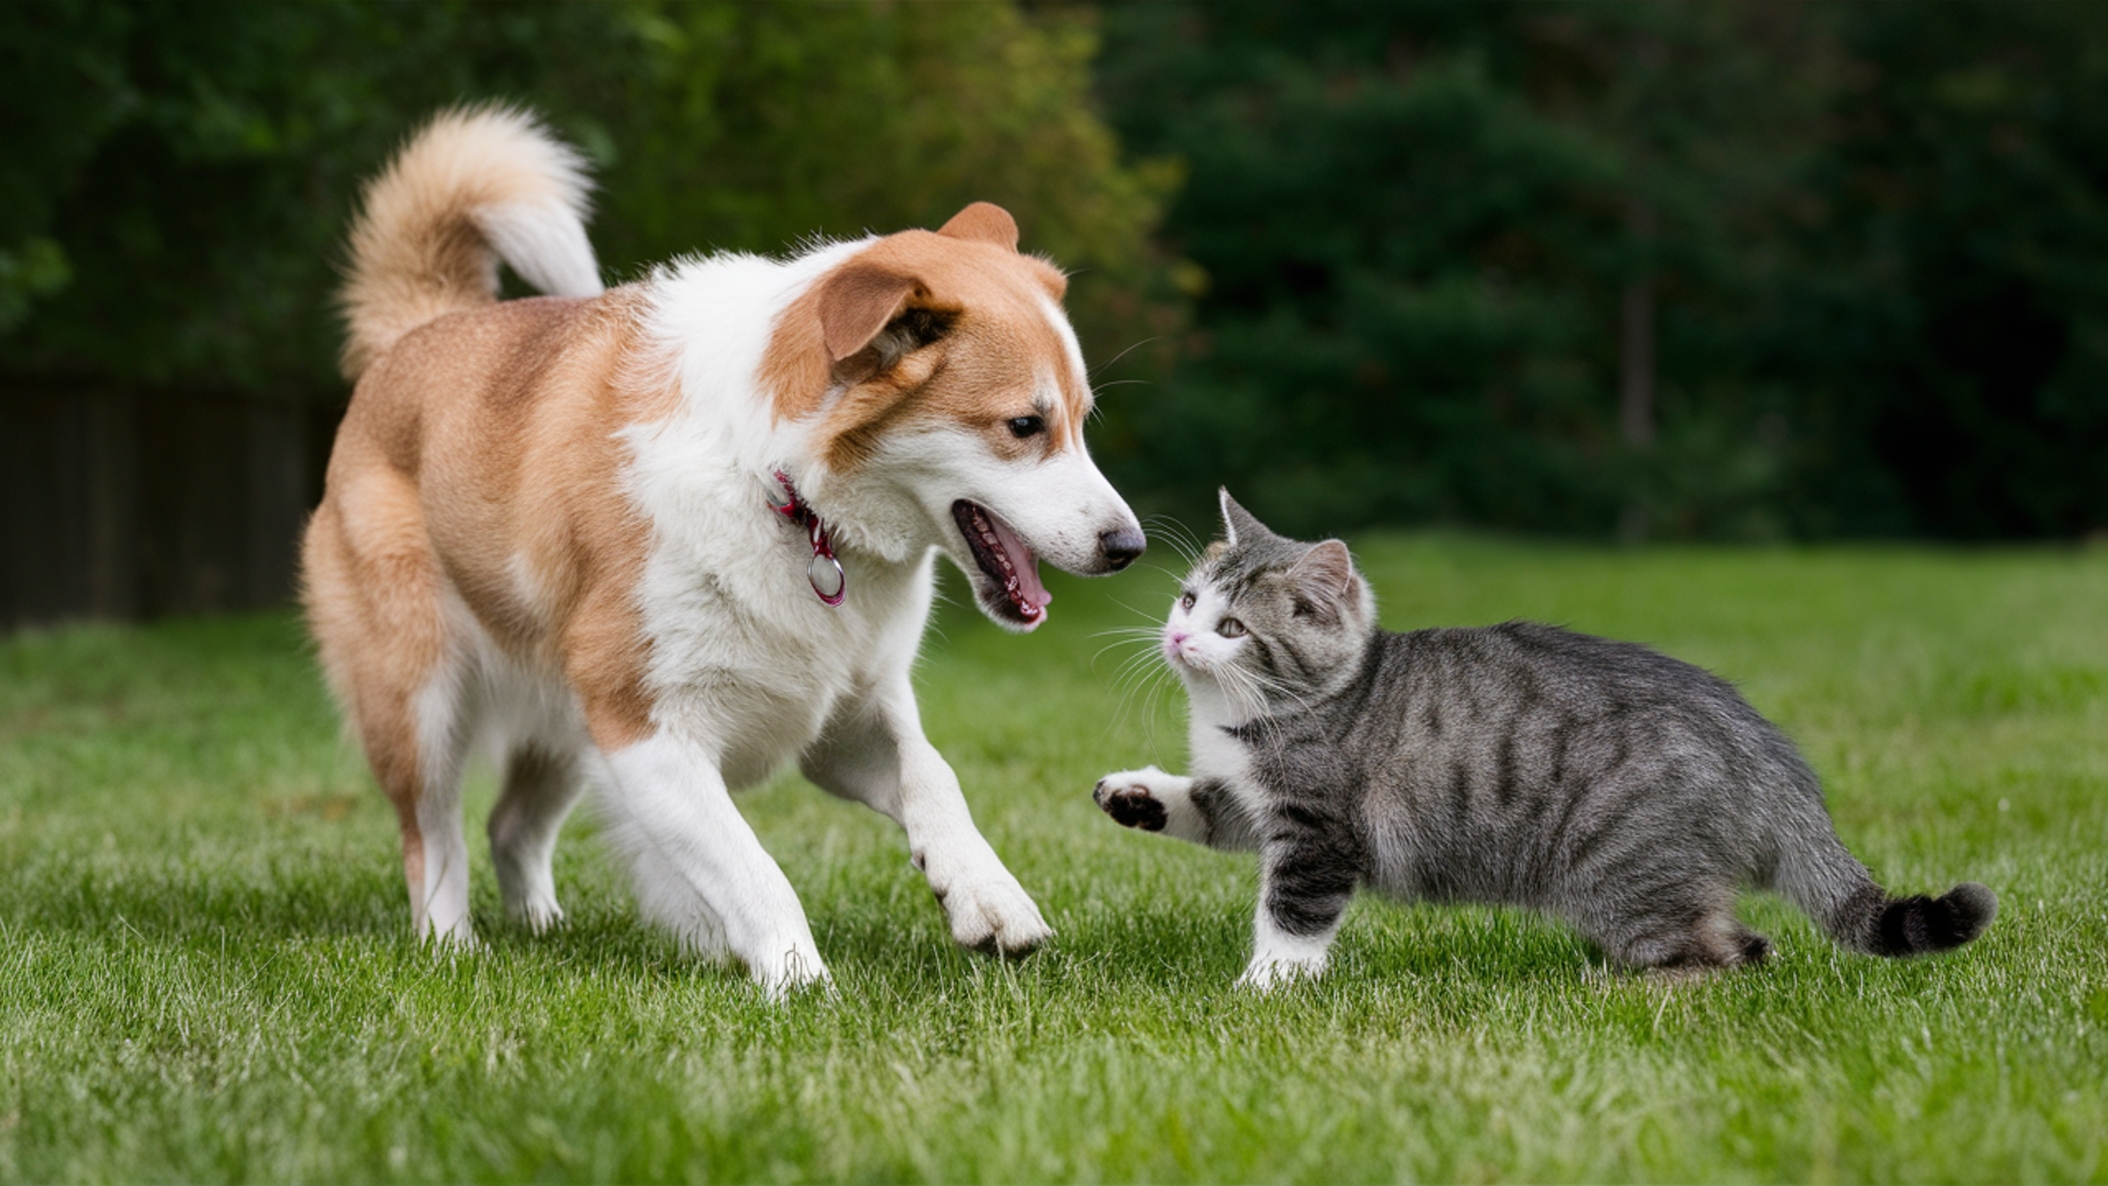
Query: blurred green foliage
(1721, 268)
(1870, 242)
(179, 176)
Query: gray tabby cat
(1620, 789)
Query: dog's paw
(1135, 798)
(538, 914)
(790, 966)
(457, 939)
(991, 912)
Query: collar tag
(829, 583)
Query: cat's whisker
(1243, 689)
(1156, 689)
(1179, 536)
(1280, 687)
(1130, 659)
(1148, 684)
(1133, 682)
(1134, 672)
(1130, 651)
(1185, 553)
(1146, 680)
(1140, 651)
(1140, 613)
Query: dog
(662, 539)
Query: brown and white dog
(660, 540)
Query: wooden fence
(141, 504)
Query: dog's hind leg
(540, 789)
(438, 715)
(373, 597)
(873, 751)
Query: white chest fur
(1216, 755)
(746, 659)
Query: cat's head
(1270, 619)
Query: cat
(1598, 781)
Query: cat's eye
(1186, 600)
(1230, 628)
(1027, 426)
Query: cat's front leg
(1198, 810)
(1304, 888)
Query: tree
(1947, 332)
(1733, 268)
(1420, 227)
(186, 171)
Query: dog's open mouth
(1012, 590)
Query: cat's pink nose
(1178, 637)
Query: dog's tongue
(1022, 562)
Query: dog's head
(947, 397)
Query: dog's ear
(860, 300)
(872, 317)
(985, 222)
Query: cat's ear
(1238, 525)
(1324, 578)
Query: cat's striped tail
(1836, 890)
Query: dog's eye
(1186, 600)
(1027, 426)
(1230, 628)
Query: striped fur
(1627, 792)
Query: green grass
(205, 972)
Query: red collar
(829, 583)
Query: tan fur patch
(479, 456)
(987, 368)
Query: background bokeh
(1749, 271)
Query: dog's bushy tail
(1836, 890)
(473, 186)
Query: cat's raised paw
(1130, 798)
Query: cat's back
(1492, 719)
(1484, 754)
(1519, 666)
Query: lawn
(206, 972)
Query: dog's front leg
(873, 751)
(698, 867)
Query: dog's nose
(1121, 546)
